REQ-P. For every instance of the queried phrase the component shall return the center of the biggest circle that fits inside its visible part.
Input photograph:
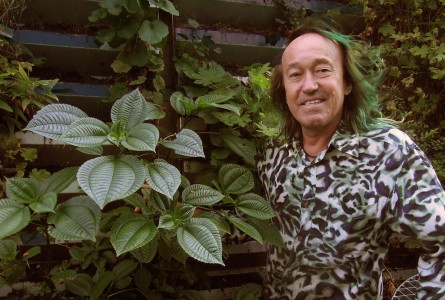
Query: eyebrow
(317, 61)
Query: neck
(315, 142)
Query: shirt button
(305, 204)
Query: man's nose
(310, 83)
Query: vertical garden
(140, 186)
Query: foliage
(410, 37)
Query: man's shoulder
(390, 137)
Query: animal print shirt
(337, 213)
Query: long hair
(362, 69)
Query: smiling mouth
(312, 102)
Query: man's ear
(348, 88)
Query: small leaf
(142, 137)
(124, 268)
(268, 231)
(146, 253)
(236, 179)
(152, 32)
(130, 110)
(163, 178)
(97, 150)
(59, 181)
(158, 83)
(119, 66)
(216, 219)
(246, 228)
(81, 285)
(54, 119)
(22, 190)
(13, 217)
(5, 106)
(242, 147)
(201, 240)
(107, 178)
(248, 291)
(199, 194)
(46, 203)
(254, 205)
(8, 249)
(187, 143)
(99, 287)
(130, 232)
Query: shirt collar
(346, 141)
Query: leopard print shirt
(337, 213)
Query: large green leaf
(59, 181)
(200, 194)
(131, 110)
(236, 179)
(107, 178)
(246, 228)
(54, 119)
(201, 240)
(86, 132)
(146, 253)
(163, 177)
(242, 147)
(131, 231)
(186, 143)
(22, 190)
(255, 206)
(142, 137)
(75, 219)
(152, 32)
(13, 217)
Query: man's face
(314, 82)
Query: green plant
(184, 219)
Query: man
(345, 179)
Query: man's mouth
(312, 102)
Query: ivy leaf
(387, 29)
(422, 52)
(131, 231)
(152, 32)
(186, 143)
(107, 178)
(13, 217)
(120, 67)
(201, 240)
(163, 178)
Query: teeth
(312, 102)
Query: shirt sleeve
(418, 211)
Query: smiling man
(346, 179)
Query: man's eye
(293, 75)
